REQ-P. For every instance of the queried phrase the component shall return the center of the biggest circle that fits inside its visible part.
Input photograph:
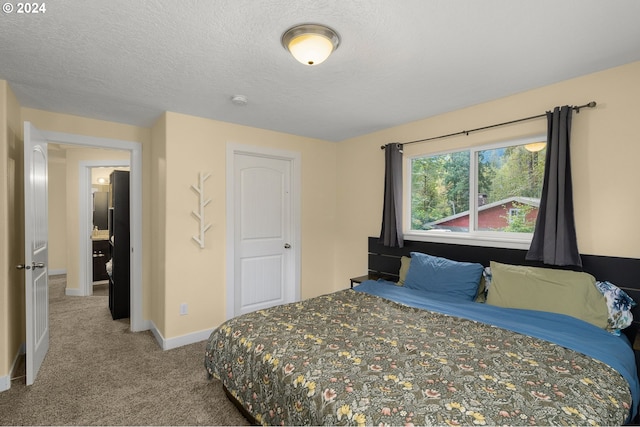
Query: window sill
(471, 239)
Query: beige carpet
(97, 372)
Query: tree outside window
(509, 177)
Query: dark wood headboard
(623, 272)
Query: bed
(386, 354)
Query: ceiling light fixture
(310, 44)
(535, 146)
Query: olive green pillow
(405, 262)
(557, 291)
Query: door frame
(295, 160)
(85, 214)
(137, 323)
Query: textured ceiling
(129, 61)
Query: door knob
(35, 265)
(23, 267)
(287, 246)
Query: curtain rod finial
(588, 105)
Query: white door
(36, 249)
(264, 257)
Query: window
(491, 190)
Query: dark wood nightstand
(370, 276)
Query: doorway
(86, 211)
(134, 149)
(263, 228)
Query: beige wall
(158, 221)
(197, 276)
(57, 212)
(11, 230)
(5, 353)
(605, 151)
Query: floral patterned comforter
(351, 358)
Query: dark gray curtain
(391, 233)
(554, 238)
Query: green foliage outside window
(518, 222)
(440, 183)
(439, 188)
(518, 173)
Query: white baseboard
(145, 325)
(169, 343)
(156, 334)
(57, 272)
(74, 292)
(5, 381)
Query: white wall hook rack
(200, 214)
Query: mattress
(384, 355)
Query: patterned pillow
(619, 305)
(483, 288)
(486, 273)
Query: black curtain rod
(467, 132)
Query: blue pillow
(443, 276)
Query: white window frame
(473, 237)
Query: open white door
(36, 250)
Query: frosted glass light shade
(310, 49)
(535, 146)
(310, 44)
